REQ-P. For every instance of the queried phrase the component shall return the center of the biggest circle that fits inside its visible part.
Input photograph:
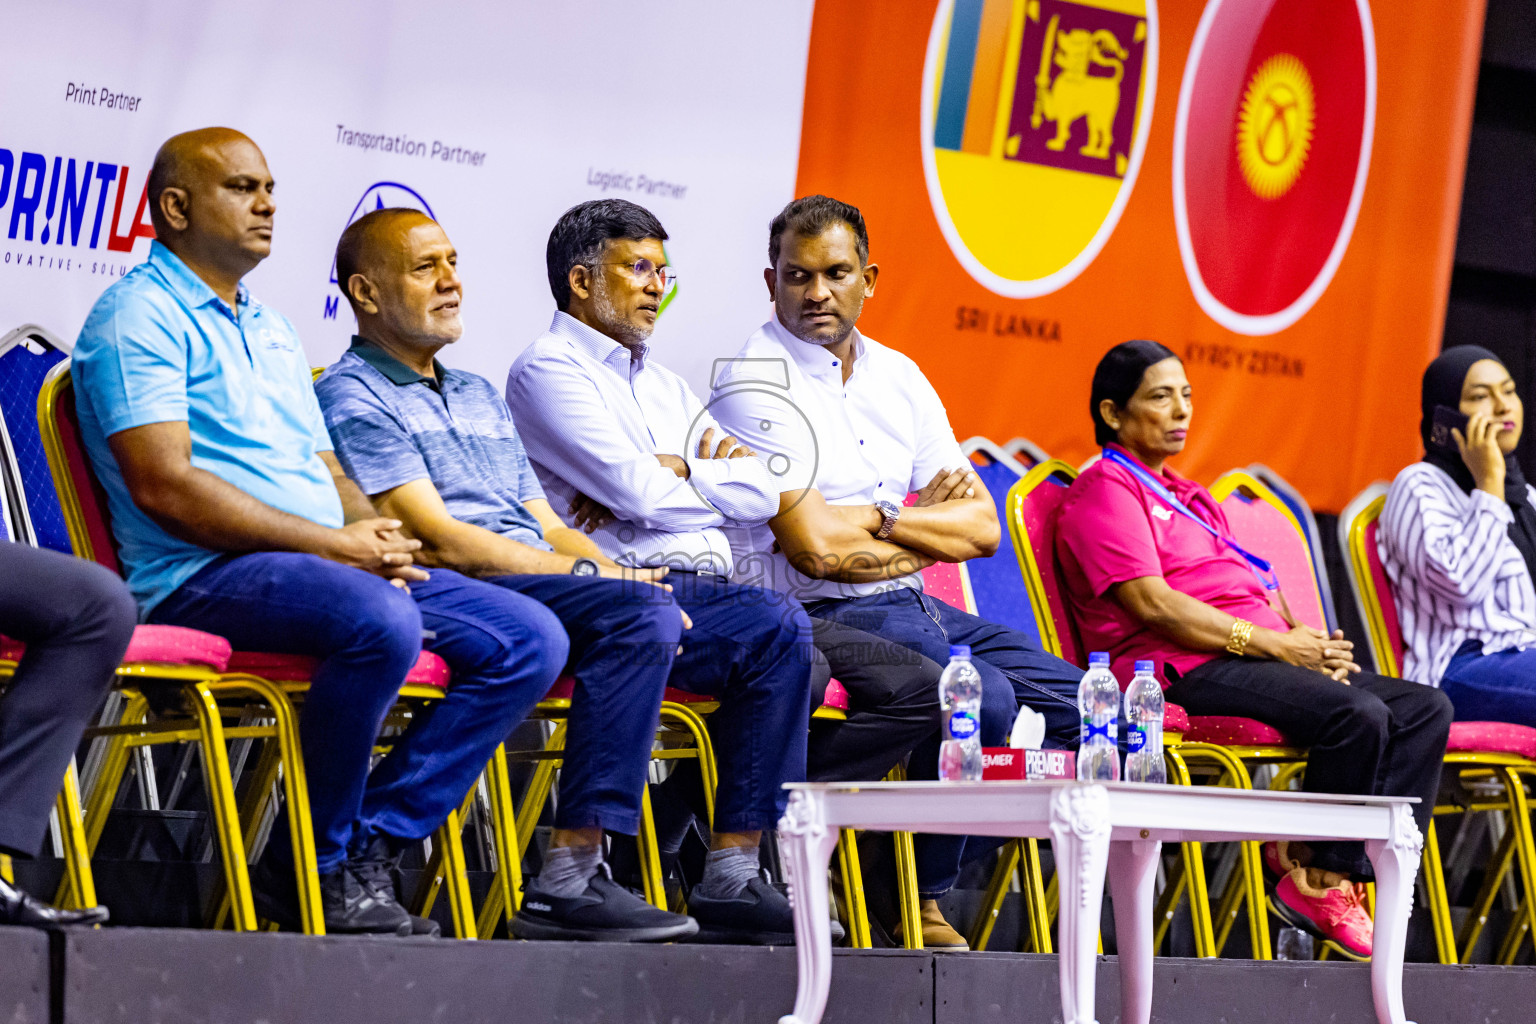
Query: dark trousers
(623, 640)
(505, 651)
(751, 648)
(1498, 687)
(1377, 736)
(1013, 672)
(76, 619)
(893, 697)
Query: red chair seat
(1492, 738)
(1175, 719)
(429, 670)
(565, 686)
(1228, 731)
(162, 645)
(836, 696)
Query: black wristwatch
(584, 567)
(889, 511)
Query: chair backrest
(82, 501)
(1368, 581)
(1263, 524)
(1025, 452)
(997, 583)
(950, 582)
(1303, 512)
(26, 356)
(1031, 519)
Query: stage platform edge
(25, 973)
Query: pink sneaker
(1277, 858)
(1336, 913)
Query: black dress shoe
(17, 907)
(606, 912)
(759, 916)
(379, 866)
(348, 906)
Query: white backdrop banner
(496, 117)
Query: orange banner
(1268, 187)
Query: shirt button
(861, 440)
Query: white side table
(1094, 828)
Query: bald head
(373, 241)
(400, 274)
(210, 197)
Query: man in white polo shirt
(850, 427)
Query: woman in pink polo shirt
(1151, 571)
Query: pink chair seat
(429, 670)
(836, 696)
(565, 686)
(160, 645)
(1492, 738)
(1228, 731)
(1175, 719)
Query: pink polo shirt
(1112, 528)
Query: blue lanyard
(1261, 568)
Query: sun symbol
(1274, 126)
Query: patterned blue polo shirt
(391, 425)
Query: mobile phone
(1445, 420)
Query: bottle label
(962, 725)
(1136, 739)
(1108, 730)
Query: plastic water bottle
(1144, 727)
(1098, 701)
(960, 701)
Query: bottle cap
(1146, 666)
(1098, 658)
(960, 651)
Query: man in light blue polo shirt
(233, 516)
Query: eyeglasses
(643, 270)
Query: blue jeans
(623, 641)
(751, 648)
(1013, 672)
(505, 651)
(1499, 687)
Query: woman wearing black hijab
(1152, 571)
(1458, 542)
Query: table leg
(1132, 878)
(1396, 862)
(805, 846)
(1080, 838)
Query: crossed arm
(953, 521)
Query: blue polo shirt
(391, 425)
(159, 346)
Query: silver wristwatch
(584, 567)
(889, 511)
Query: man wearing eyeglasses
(628, 453)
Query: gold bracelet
(1242, 629)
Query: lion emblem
(1077, 92)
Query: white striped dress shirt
(593, 420)
(1455, 573)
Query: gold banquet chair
(1485, 756)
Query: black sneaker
(759, 916)
(348, 906)
(379, 865)
(606, 912)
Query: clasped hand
(1312, 648)
(376, 545)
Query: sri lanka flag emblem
(1272, 147)
(1035, 120)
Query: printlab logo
(1035, 121)
(381, 195)
(60, 205)
(1272, 141)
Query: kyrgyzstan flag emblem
(1272, 146)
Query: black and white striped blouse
(1455, 573)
